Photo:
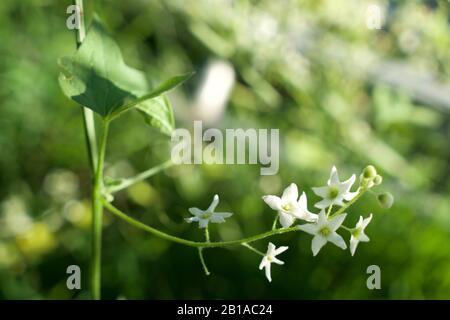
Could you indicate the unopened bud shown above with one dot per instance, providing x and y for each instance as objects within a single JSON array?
[
  {"x": 377, "y": 180},
  {"x": 369, "y": 172},
  {"x": 386, "y": 200}
]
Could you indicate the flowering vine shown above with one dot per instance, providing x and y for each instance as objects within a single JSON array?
[
  {"x": 98, "y": 79},
  {"x": 290, "y": 209}
]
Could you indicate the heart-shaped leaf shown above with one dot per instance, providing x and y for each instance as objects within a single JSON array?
[{"x": 98, "y": 78}]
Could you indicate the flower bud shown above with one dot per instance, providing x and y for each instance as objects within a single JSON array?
[
  {"x": 386, "y": 200},
  {"x": 369, "y": 172},
  {"x": 377, "y": 180}
]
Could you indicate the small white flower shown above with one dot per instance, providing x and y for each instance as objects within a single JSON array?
[
  {"x": 335, "y": 192},
  {"x": 272, "y": 251},
  {"x": 358, "y": 234},
  {"x": 324, "y": 230},
  {"x": 289, "y": 207},
  {"x": 203, "y": 217}
]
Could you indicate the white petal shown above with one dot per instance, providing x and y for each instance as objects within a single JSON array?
[
  {"x": 213, "y": 204},
  {"x": 303, "y": 201},
  {"x": 196, "y": 211},
  {"x": 366, "y": 221},
  {"x": 301, "y": 211},
  {"x": 336, "y": 222},
  {"x": 325, "y": 203},
  {"x": 363, "y": 237},
  {"x": 311, "y": 217},
  {"x": 273, "y": 201},
  {"x": 353, "y": 244},
  {"x": 202, "y": 223},
  {"x": 317, "y": 243},
  {"x": 359, "y": 223},
  {"x": 338, "y": 201},
  {"x": 347, "y": 184},
  {"x": 268, "y": 272},
  {"x": 337, "y": 240},
  {"x": 305, "y": 215},
  {"x": 334, "y": 177},
  {"x": 263, "y": 263},
  {"x": 270, "y": 249},
  {"x": 290, "y": 194},
  {"x": 191, "y": 219},
  {"x": 277, "y": 261},
  {"x": 350, "y": 195},
  {"x": 321, "y": 191},
  {"x": 286, "y": 220},
  {"x": 215, "y": 218},
  {"x": 223, "y": 214},
  {"x": 323, "y": 219},
  {"x": 308, "y": 228},
  {"x": 280, "y": 250}
]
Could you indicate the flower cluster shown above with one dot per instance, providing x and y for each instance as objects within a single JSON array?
[{"x": 323, "y": 226}]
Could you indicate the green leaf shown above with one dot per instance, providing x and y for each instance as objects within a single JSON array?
[
  {"x": 158, "y": 113},
  {"x": 165, "y": 86},
  {"x": 98, "y": 78}
]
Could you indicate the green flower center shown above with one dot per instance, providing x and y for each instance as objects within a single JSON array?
[
  {"x": 356, "y": 233},
  {"x": 269, "y": 258},
  {"x": 206, "y": 215},
  {"x": 325, "y": 231},
  {"x": 333, "y": 192},
  {"x": 286, "y": 207}
]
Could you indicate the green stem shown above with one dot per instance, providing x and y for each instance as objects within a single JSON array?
[
  {"x": 329, "y": 210},
  {"x": 97, "y": 215},
  {"x": 253, "y": 249},
  {"x": 191, "y": 243},
  {"x": 94, "y": 161},
  {"x": 207, "y": 233},
  {"x": 88, "y": 114},
  {"x": 274, "y": 225},
  {"x": 140, "y": 177},
  {"x": 346, "y": 228},
  {"x": 348, "y": 204},
  {"x": 202, "y": 260}
]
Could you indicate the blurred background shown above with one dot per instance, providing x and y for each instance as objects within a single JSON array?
[{"x": 339, "y": 92}]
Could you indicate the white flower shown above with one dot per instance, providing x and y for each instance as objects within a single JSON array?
[
  {"x": 324, "y": 230},
  {"x": 358, "y": 234},
  {"x": 203, "y": 217},
  {"x": 289, "y": 207},
  {"x": 272, "y": 251},
  {"x": 335, "y": 192}
]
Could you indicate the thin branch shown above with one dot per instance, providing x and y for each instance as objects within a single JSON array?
[
  {"x": 202, "y": 260},
  {"x": 140, "y": 177},
  {"x": 245, "y": 244},
  {"x": 191, "y": 243}
]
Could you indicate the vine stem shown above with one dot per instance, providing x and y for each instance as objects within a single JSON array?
[
  {"x": 97, "y": 217},
  {"x": 92, "y": 150},
  {"x": 88, "y": 114},
  {"x": 140, "y": 177},
  {"x": 190, "y": 243},
  {"x": 214, "y": 244}
]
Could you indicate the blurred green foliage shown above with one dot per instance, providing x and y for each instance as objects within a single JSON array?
[{"x": 327, "y": 112}]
